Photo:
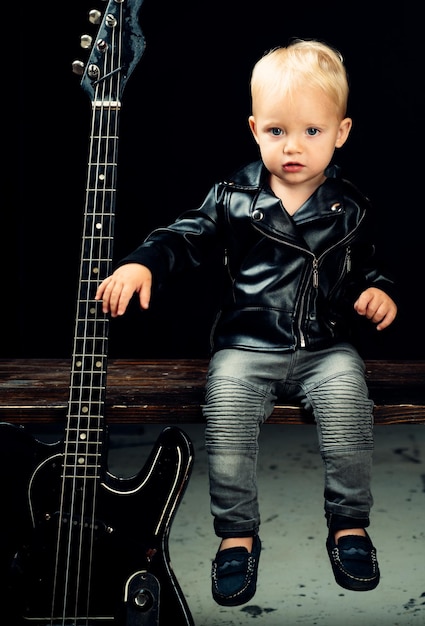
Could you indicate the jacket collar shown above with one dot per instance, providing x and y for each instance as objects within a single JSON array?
[
  {"x": 266, "y": 209},
  {"x": 326, "y": 201},
  {"x": 250, "y": 177}
]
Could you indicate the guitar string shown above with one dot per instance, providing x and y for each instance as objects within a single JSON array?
[
  {"x": 106, "y": 175},
  {"x": 103, "y": 181}
]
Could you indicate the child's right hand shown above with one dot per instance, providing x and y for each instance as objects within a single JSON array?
[{"x": 117, "y": 290}]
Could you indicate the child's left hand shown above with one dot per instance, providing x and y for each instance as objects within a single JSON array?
[{"x": 377, "y": 306}]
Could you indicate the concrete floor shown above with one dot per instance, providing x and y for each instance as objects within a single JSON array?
[{"x": 296, "y": 584}]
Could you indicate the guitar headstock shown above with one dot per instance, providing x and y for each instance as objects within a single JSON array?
[{"x": 115, "y": 52}]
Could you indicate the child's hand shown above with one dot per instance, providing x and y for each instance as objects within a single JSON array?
[
  {"x": 377, "y": 306},
  {"x": 117, "y": 290}
]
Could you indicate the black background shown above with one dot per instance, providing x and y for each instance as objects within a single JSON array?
[{"x": 183, "y": 125}]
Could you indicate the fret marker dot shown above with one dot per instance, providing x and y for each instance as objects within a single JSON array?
[{"x": 80, "y": 461}]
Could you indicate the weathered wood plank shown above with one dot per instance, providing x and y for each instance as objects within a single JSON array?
[{"x": 171, "y": 391}]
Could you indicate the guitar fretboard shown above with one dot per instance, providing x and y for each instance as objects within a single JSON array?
[{"x": 83, "y": 444}]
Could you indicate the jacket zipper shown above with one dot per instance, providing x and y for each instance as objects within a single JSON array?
[
  {"x": 315, "y": 269},
  {"x": 315, "y": 273}
]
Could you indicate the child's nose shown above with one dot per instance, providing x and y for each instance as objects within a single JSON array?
[{"x": 291, "y": 144}]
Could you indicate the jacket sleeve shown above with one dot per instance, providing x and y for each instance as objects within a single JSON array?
[
  {"x": 183, "y": 244},
  {"x": 374, "y": 268}
]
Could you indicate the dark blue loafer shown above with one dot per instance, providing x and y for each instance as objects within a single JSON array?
[
  {"x": 354, "y": 562},
  {"x": 234, "y": 574}
]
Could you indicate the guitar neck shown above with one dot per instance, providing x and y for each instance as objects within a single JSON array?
[
  {"x": 115, "y": 53},
  {"x": 89, "y": 361}
]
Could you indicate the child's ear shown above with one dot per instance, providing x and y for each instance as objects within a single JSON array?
[
  {"x": 253, "y": 127},
  {"x": 343, "y": 132}
]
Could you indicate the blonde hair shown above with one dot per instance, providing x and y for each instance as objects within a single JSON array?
[{"x": 303, "y": 62}]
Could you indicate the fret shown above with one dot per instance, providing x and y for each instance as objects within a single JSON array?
[
  {"x": 84, "y": 456},
  {"x": 90, "y": 395},
  {"x": 88, "y": 376},
  {"x": 96, "y": 223},
  {"x": 93, "y": 190},
  {"x": 85, "y": 420},
  {"x": 97, "y": 247},
  {"x": 88, "y": 308},
  {"x": 103, "y": 138},
  {"x": 87, "y": 397},
  {"x": 84, "y": 397},
  {"x": 91, "y": 265},
  {"x": 84, "y": 425},
  {"x": 94, "y": 474},
  {"x": 85, "y": 361},
  {"x": 84, "y": 428},
  {"x": 103, "y": 141}
]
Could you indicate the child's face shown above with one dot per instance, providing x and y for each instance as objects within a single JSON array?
[{"x": 297, "y": 135}]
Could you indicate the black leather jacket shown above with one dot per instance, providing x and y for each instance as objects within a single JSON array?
[{"x": 292, "y": 281}]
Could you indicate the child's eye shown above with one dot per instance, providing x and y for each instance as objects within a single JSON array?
[
  {"x": 276, "y": 131},
  {"x": 312, "y": 131}
]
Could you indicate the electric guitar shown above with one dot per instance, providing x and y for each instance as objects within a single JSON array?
[{"x": 82, "y": 547}]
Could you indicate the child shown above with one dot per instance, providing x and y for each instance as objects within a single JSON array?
[{"x": 295, "y": 237}]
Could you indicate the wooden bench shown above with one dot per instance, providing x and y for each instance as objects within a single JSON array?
[{"x": 171, "y": 391}]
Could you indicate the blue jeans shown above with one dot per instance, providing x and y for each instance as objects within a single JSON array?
[{"x": 241, "y": 391}]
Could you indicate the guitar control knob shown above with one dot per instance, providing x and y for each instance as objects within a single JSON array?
[
  {"x": 86, "y": 41},
  {"x": 78, "y": 67},
  {"x": 94, "y": 16},
  {"x": 143, "y": 599}
]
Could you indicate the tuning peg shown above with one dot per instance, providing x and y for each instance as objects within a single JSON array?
[
  {"x": 78, "y": 67},
  {"x": 86, "y": 41},
  {"x": 94, "y": 16}
]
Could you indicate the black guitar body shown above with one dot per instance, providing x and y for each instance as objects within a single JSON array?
[{"x": 107, "y": 568}]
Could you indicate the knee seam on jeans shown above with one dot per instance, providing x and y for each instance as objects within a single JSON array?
[
  {"x": 324, "y": 380},
  {"x": 239, "y": 381}
]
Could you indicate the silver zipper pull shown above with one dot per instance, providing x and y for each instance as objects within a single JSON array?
[
  {"x": 348, "y": 259},
  {"x": 315, "y": 273}
]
